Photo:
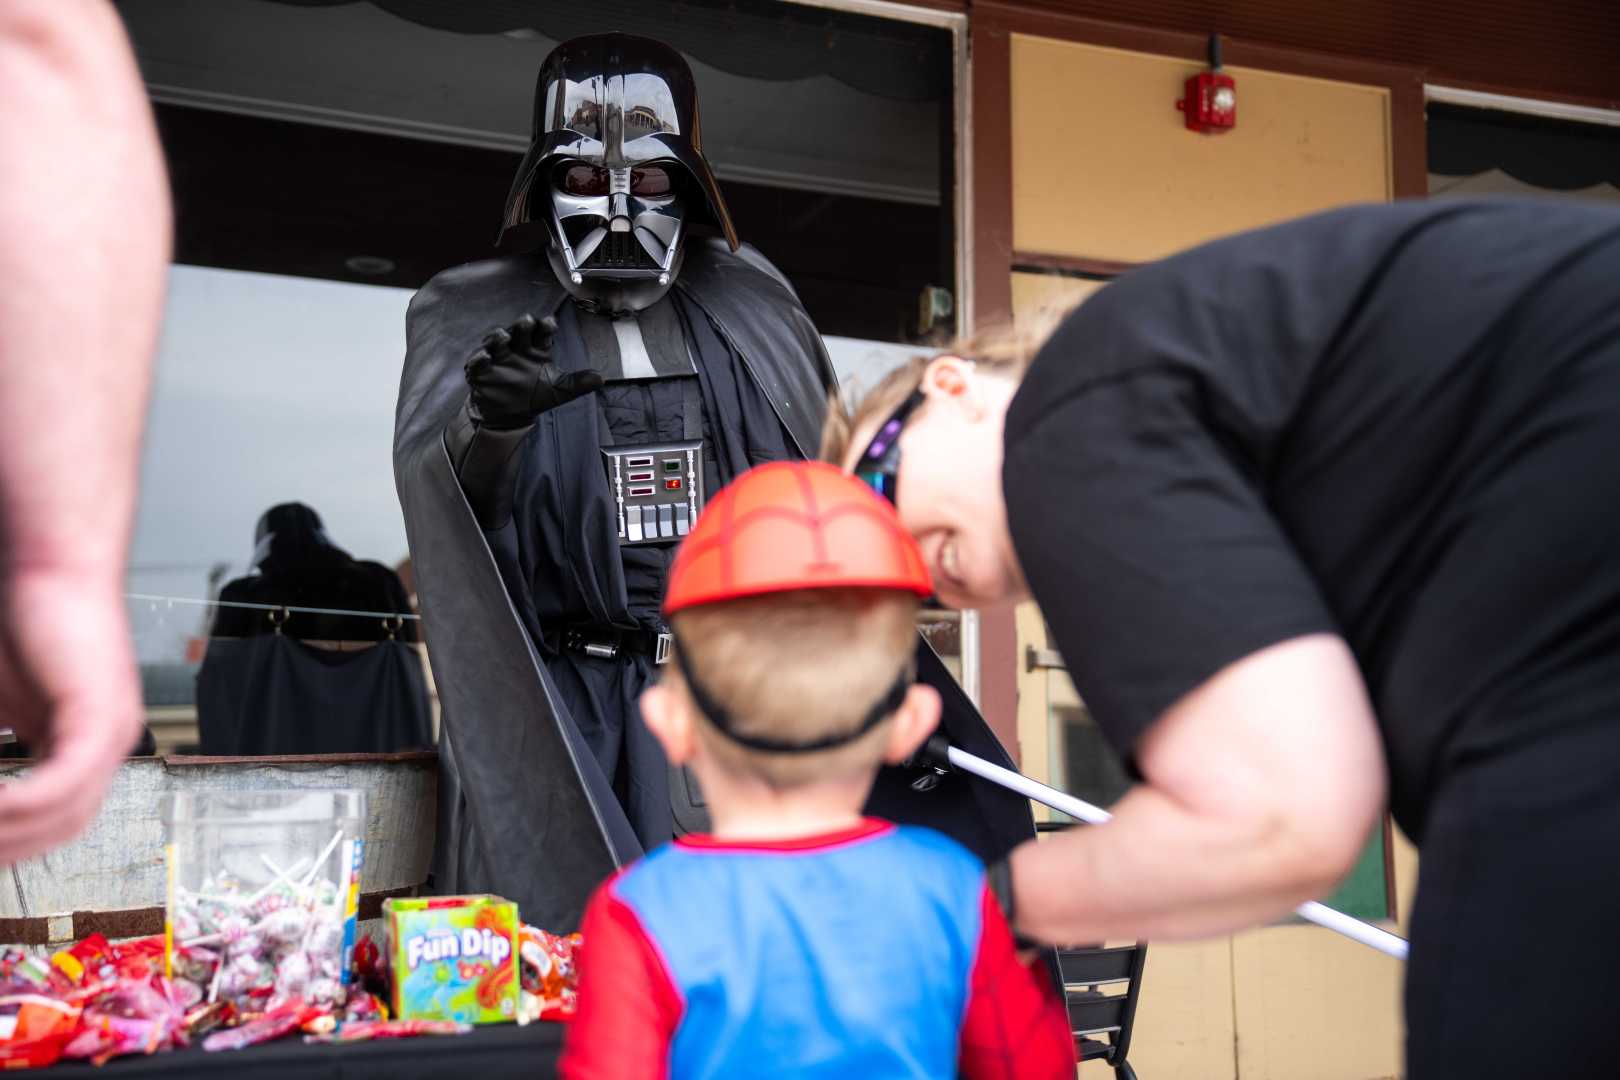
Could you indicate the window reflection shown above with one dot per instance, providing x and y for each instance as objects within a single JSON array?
[
  {"x": 309, "y": 654},
  {"x": 267, "y": 615}
]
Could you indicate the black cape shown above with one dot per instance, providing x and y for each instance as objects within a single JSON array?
[{"x": 525, "y": 810}]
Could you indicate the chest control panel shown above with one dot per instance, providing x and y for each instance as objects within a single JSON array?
[{"x": 658, "y": 490}]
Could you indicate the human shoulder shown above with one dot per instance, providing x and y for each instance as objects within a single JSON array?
[
  {"x": 661, "y": 875},
  {"x": 710, "y": 263},
  {"x": 1240, "y": 322},
  {"x": 487, "y": 286},
  {"x": 487, "y": 271}
]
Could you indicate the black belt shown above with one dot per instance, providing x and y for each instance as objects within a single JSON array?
[{"x": 611, "y": 642}]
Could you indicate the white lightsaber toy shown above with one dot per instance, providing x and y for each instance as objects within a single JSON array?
[{"x": 1320, "y": 914}]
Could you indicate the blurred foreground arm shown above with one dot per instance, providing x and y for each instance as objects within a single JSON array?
[
  {"x": 1261, "y": 787},
  {"x": 84, "y": 247}
]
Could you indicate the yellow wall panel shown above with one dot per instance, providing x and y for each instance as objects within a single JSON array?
[
  {"x": 1184, "y": 1016},
  {"x": 1104, "y": 167},
  {"x": 1311, "y": 1005},
  {"x": 1035, "y": 294}
]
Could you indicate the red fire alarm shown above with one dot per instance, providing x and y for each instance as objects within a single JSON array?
[{"x": 1210, "y": 103}]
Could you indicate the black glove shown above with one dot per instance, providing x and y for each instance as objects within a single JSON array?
[{"x": 514, "y": 380}]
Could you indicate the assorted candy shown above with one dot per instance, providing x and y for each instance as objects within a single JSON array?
[
  {"x": 251, "y": 967},
  {"x": 259, "y": 944},
  {"x": 96, "y": 1000},
  {"x": 93, "y": 1001}
]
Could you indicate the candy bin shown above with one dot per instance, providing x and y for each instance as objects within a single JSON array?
[{"x": 263, "y": 891}]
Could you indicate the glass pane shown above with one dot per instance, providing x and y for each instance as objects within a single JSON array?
[{"x": 268, "y": 511}]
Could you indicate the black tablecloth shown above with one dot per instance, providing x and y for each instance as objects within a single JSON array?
[{"x": 486, "y": 1053}]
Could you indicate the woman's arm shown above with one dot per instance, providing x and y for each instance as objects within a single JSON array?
[{"x": 1261, "y": 787}]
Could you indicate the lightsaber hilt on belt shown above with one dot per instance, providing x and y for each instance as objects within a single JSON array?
[{"x": 1320, "y": 914}]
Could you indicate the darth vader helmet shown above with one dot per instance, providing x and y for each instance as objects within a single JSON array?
[{"x": 615, "y": 171}]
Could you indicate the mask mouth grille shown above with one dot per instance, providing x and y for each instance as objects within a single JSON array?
[{"x": 620, "y": 251}]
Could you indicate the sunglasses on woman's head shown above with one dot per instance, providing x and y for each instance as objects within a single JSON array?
[{"x": 879, "y": 464}]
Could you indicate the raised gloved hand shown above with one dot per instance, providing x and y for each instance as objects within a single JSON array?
[{"x": 514, "y": 379}]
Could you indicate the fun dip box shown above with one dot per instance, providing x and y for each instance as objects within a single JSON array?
[{"x": 453, "y": 958}]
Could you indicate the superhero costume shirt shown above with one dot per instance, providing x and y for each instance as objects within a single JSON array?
[{"x": 878, "y": 951}]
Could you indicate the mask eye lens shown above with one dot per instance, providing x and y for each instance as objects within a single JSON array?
[
  {"x": 652, "y": 180},
  {"x": 584, "y": 180}
]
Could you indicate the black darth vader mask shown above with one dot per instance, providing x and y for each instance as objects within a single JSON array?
[{"x": 615, "y": 171}]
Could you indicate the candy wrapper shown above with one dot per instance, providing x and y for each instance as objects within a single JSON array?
[
  {"x": 91, "y": 960},
  {"x": 550, "y": 974},
  {"x": 453, "y": 958},
  {"x": 284, "y": 1019},
  {"x": 22, "y": 972},
  {"x": 35, "y": 1028},
  {"x": 365, "y": 1030},
  {"x": 130, "y": 1017}
]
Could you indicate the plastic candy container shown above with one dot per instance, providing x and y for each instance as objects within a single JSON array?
[{"x": 263, "y": 890}]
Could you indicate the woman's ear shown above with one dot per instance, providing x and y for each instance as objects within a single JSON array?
[
  {"x": 952, "y": 378},
  {"x": 913, "y": 722},
  {"x": 666, "y": 714}
]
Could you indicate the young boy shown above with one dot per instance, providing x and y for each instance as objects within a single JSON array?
[{"x": 800, "y": 939}]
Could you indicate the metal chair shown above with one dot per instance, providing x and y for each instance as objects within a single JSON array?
[{"x": 1092, "y": 1012}]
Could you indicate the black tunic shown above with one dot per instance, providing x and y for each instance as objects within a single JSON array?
[
  {"x": 1397, "y": 424},
  {"x": 562, "y": 543}
]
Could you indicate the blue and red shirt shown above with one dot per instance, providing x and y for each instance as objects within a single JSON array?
[{"x": 878, "y": 951}]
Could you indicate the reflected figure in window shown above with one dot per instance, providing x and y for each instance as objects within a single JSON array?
[
  {"x": 312, "y": 654},
  {"x": 299, "y": 567}
]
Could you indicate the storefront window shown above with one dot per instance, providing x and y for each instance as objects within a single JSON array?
[{"x": 316, "y": 189}]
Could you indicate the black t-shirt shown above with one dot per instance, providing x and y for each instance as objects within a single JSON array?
[{"x": 1400, "y": 424}]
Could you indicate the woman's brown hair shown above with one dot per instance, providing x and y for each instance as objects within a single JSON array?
[{"x": 1004, "y": 350}]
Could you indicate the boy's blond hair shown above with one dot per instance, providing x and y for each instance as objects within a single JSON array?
[
  {"x": 1005, "y": 350},
  {"x": 797, "y": 666}
]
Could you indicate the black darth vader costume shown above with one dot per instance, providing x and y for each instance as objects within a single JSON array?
[{"x": 564, "y": 411}]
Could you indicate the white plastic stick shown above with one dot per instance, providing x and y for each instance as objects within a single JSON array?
[
  {"x": 320, "y": 860},
  {"x": 1320, "y": 914}
]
